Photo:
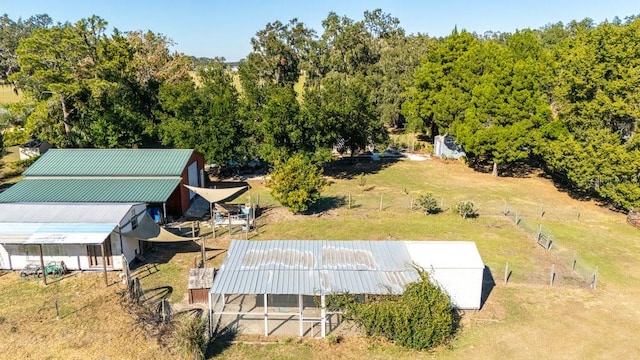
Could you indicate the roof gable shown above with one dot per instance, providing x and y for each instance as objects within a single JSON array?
[{"x": 111, "y": 162}]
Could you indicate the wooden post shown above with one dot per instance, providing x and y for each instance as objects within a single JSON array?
[
  {"x": 229, "y": 216},
  {"x": 505, "y": 212},
  {"x": 44, "y": 273},
  {"x": 349, "y": 206},
  {"x": 104, "y": 264},
  {"x": 266, "y": 320},
  {"x": 380, "y": 207},
  {"x": 323, "y": 316},
  {"x": 506, "y": 273},
  {"x": 204, "y": 250},
  {"x": 411, "y": 207},
  {"x": 573, "y": 263},
  {"x": 164, "y": 213},
  {"x": 553, "y": 274},
  {"x": 300, "y": 316},
  {"x": 594, "y": 282}
]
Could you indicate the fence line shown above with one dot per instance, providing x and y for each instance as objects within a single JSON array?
[{"x": 544, "y": 237}]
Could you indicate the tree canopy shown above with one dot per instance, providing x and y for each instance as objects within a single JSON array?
[{"x": 562, "y": 98}]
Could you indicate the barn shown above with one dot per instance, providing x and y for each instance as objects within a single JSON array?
[
  {"x": 284, "y": 276},
  {"x": 152, "y": 176}
]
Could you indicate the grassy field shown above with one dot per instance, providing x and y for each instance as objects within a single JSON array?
[
  {"x": 523, "y": 319},
  {"x": 7, "y": 95}
]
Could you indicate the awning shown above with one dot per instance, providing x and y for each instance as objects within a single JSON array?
[
  {"x": 54, "y": 233},
  {"x": 148, "y": 230},
  {"x": 216, "y": 195}
]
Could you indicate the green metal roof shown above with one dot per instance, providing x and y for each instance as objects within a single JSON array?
[
  {"x": 110, "y": 162},
  {"x": 147, "y": 190}
]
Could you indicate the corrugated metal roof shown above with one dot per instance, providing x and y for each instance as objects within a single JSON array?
[
  {"x": 52, "y": 233},
  {"x": 63, "y": 213},
  {"x": 110, "y": 162},
  {"x": 22, "y": 223},
  {"x": 148, "y": 190},
  {"x": 314, "y": 267}
]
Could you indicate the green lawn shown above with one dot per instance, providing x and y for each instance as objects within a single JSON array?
[{"x": 523, "y": 319}]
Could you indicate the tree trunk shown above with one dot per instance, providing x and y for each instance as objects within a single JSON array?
[
  {"x": 495, "y": 169},
  {"x": 65, "y": 118}
]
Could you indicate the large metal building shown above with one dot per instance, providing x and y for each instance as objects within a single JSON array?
[
  {"x": 152, "y": 176},
  {"x": 295, "y": 269}
]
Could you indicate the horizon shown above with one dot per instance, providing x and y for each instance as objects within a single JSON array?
[{"x": 194, "y": 25}]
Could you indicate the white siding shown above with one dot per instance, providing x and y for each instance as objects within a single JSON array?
[{"x": 193, "y": 177}]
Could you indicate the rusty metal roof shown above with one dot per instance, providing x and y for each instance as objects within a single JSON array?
[{"x": 313, "y": 267}]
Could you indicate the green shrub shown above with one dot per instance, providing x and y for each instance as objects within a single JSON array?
[
  {"x": 428, "y": 204},
  {"x": 421, "y": 318},
  {"x": 466, "y": 209},
  {"x": 296, "y": 183}
]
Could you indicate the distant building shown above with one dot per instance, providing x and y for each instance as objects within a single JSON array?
[
  {"x": 33, "y": 147},
  {"x": 445, "y": 147}
]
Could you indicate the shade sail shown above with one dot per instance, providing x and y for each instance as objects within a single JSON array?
[
  {"x": 148, "y": 230},
  {"x": 216, "y": 195}
]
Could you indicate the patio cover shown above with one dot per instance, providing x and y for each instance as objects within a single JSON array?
[
  {"x": 54, "y": 233},
  {"x": 216, "y": 195},
  {"x": 148, "y": 230}
]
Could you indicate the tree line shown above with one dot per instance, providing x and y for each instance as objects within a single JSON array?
[{"x": 563, "y": 98}]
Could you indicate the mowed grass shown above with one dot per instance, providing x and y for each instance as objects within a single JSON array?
[
  {"x": 523, "y": 319},
  {"x": 8, "y": 96}
]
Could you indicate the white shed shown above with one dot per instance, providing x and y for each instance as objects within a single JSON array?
[
  {"x": 84, "y": 236},
  {"x": 455, "y": 265}
]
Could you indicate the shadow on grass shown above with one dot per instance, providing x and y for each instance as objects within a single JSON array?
[
  {"x": 349, "y": 168},
  {"x": 154, "y": 295},
  {"x": 162, "y": 253},
  {"x": 220, "y": 342},
  {"x": 327, "y": 203},
  {"x": 488, "y": 283}
]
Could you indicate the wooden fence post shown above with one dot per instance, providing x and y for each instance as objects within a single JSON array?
[
  {"x": 594, "y": 282},
  {"x": 553, "y": 274},
  {"x": 506, "y": 273},
  {"x": 380, "y": 203},
  {"x": 573, "y": 263}
]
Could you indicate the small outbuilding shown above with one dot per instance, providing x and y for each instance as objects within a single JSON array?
[
  {"x": 33, "y": 147},
  {"x": 445, "y": 147},
  {"x": 283, "y": 274}
]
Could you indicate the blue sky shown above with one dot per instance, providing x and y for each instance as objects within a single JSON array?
[{"x": 224, "y": 28}]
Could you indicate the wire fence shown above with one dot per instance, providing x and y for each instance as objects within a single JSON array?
[
  {"x": 565, "y": 266},
  {"x": 571, "y": 266}
]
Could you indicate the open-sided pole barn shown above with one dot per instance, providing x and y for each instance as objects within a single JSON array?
[{"x": 317, "y": 268}]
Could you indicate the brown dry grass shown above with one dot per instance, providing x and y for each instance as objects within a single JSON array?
[
  {"x": 8, "y": 96},
  {"x": 521, "y": 320}
]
